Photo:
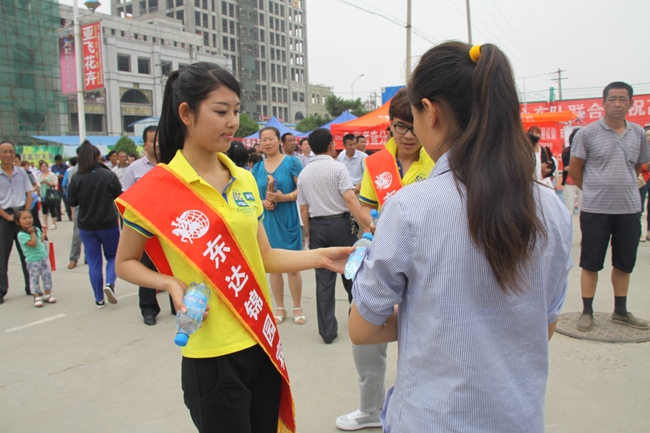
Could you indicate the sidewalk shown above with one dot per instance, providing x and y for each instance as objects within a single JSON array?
[{"x": 105, "y": 371}]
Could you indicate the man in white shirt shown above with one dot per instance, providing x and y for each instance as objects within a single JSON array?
[
  {"x": 306, "y": 154},
  {"x": 353, "y": 160},
  {"x": 122, "y": 165}
]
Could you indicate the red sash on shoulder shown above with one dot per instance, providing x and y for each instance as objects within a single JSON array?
[
  {"x": 384, "y": 175},
  {"x": 199, "y": 234}
]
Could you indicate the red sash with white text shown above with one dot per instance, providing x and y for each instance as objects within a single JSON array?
[
  {"x": 200, "y": 235},
  {"x": 384, "y": 175}
]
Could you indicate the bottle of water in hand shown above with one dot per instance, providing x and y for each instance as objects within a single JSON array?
[
  {"x": 196, "y": 301},
  {"x": 355, "y": 259},
  {"x": 375, "y": 217}
]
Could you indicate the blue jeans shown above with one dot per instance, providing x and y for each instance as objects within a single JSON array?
[{"x": 93, "y": 242}]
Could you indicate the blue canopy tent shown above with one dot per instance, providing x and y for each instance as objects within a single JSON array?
[
  {"x": 346, "y": 116},
  {"x": 273, "y": 121}
]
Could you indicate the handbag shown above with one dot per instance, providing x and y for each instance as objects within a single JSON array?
[{"x": 52, "y": 197}]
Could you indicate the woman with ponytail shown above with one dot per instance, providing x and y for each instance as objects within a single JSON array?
[
  {"x": 199, "y": 217},
  {"x": 468, "y": 269}
]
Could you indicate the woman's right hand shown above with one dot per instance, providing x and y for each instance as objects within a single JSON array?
[
  {"x": 268, "y": 205},
  {"x": 176, "y": 289}
]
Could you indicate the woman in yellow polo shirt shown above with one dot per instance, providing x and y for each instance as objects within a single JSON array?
[{"x": 229, "y": 382}]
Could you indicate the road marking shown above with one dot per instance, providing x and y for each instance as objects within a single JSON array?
[
  {"x": 126, "y": 296},
  {"x": 38, "y": 322}
]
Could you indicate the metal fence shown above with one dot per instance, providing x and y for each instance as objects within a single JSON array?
[{"x": 553, "y": 94}]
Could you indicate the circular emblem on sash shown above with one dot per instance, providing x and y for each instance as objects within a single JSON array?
[
  {"x": 383, "y": 180},
  {"x": 192, "y": 224}
]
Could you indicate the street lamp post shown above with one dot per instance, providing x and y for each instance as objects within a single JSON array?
[{"x": 352, "y": 85}]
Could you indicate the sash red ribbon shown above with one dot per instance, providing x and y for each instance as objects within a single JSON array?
[
  {"x": 199, "y": 234},
  {"x": 384, "y": 175}
]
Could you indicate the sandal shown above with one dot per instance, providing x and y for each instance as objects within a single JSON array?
[
  {"x": 280, "y": 319},
  {"x": 300, "y": 320},
  {"x": 38, "y": 301},
  {"x": 49, "y": 299}
]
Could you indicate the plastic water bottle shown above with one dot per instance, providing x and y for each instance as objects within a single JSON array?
[
  {"x": 355, "y": 259},
  {"x": 196, "y": 301},
  {"x": 375, "y": 216}
]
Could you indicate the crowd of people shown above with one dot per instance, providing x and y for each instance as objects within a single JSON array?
[{"x": 468, "y": 268}]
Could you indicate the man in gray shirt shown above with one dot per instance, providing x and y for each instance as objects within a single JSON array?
[
  {"x": 606, "y": 158},
  {"x": 15, "y": 194}
]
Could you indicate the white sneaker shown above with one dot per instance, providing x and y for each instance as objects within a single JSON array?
[{"x": 358, "y": 420}]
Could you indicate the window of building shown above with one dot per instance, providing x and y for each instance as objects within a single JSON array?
[
  {"x": 277, "y": 9},
  {"x": 225, "y": 42},
  {"x": 179, "y": 3},
  {"x": 285, "y": 109},
  {"x": 197, "y": 3},
  {"x": 262, "y": 35},
  {"x": 264, "y": 71},
  {"x": 284, "y": 74},
  {"x": 271, "y": 38},
  {"x": 295, "y": 96},
  {"x": 284, "y": 56},
  {"x": 277, "y": 24},
  {"x": 261, "y": 19},
  {"x": 197, "y": 18},
  {"x": 214, "y": 7},
  {"x": 263, "y": 51},
  {"x": 282, "y": 26},
  {"x": 206, "y": 39},
  {"x": 224, "y": 8},
  {"x": 144, "y": 65},
  {"x": 285, "y": 94},
  {"x": 232, "y": 27},
  {"x": 272, "y": 54},
  {"x": 265, "y": 110},
  {"x": 264, "y": 94},
  {"x": 214, "y": 22},
  {"x": 270, "y": 6},
  {"x": 233, "y": 47},
  {"x": 180, "y": 16},
  {"x": 257, "y": 71},
  {"x": 153, "y": 5},
  {"x": 224, "y": 25},
  {"x": 214, "y": 40},
  {"x": 234, "y": 65},
  {"x": 273, "y": 73},
  {"x": 143, "y": 7},
  {"x": 205, "y": 21},
  {"x": 302, "y": 97},
  {"x": 124, "y": 62},
  {"x": 279, "y": 76},
  {"x": 231, "y": 10},
  {"x": 166, "y": 67},
  {"x": 281, "y": 10},
  {"x": 284, "y": 41},
  {"x": 170, "y": 4},
  {"x": 275, "y": 111},
  {"x": 273, "y": 95},
  {"x": 261, "y": 4},
  {"x": 205, "y": 4},
  {"x": 271, "y": 22}
]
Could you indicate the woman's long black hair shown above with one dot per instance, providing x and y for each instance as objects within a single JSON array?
[
  {"x": 87, "y": 156},
  {"x": 491, "y": 153},
  {"x": 192, "y": 85}
]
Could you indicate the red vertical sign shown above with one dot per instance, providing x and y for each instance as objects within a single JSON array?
[{"x": 93, "y": 60}]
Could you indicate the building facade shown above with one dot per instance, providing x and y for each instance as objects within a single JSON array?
[
  {"x": 318, "y": 94},
  {"x": 30, "y": 95},
  {"x": 138, "y": 58},
  {"x": 265, "y": 42}
]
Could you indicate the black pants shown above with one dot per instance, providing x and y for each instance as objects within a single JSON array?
[
  {"x": 234, "y": 393},
  {"x": 9, "y": 236},
  {"x": 322, "y": 234},
  {"x": 148, "y": 301},
  {"x": 68, "y": 209}
]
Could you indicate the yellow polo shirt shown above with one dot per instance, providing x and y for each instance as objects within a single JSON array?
[
  {"x": 418, "y": 171},
  {"x": 242, "y": 209}
]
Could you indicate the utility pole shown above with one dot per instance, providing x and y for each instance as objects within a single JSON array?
[
  {"x": 469, "y": 24},
  {"x": 559, "y": 80},
  {"x": 81, "y": 115},
  {"x": 408, "y": 41}
]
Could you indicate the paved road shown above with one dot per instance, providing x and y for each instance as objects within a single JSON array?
[{"x": 81, "y": 369}]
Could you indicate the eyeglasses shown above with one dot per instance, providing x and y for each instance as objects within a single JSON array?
[{"x": 402, "y": 129}]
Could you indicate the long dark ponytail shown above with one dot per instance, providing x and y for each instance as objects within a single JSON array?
[
  {"x": 192, "y": 85},
  {"x": 491, "y": 153}
]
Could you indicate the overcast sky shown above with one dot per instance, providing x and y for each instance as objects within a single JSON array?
[{"x": 594, "y": 41}]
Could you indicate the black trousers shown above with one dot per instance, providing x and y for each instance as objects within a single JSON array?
[
  {"x": 148, "y": 301},
  {"x": 9, "y": 236},
  {"x": 325, "y": 233},
  {"x": 234, "y": 393}
]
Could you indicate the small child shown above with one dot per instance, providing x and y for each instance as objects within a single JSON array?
[{"x": 36, "y": 257}]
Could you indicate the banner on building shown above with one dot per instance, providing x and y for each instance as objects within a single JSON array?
[
  {"x": 93, "y": 59},
  {"x": 555, "y": 135},
  {"x": 67, "y": 61},
  {"x": 37, "y": 153}
]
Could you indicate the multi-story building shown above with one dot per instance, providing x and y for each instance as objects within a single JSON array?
[
  {"x": 30, "y": 95},
  {"x": 265, "y": 41},
  {"x": 138, "y": 57},
  {"x": 319, "y": 94}
]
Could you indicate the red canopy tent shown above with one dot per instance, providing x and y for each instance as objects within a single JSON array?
[
  {"x": 553, "y": 127},
  {"x": 373, "y": 126}
]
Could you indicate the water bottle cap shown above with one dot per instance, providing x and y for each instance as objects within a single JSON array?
[
  {"x": 367, "y": 236},
  {"x": 181, "y": 339},
  {"x": 374, "y": 213}
]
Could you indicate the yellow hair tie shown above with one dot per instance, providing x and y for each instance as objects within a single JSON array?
[{"x": 475, "y": 53}]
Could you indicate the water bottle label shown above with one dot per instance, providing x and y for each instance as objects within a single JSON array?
[
  {"x": 195, "y": 301},
  {"x": 358, "y": 253}
]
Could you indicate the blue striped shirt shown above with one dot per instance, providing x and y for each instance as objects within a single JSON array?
[{"x": 471, "y": 358}]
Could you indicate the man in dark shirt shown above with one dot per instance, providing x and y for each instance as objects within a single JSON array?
[{"x": 59, "y": 168}]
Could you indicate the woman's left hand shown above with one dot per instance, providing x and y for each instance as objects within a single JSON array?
[
  {"x": 335, "y": 258},
  {"x": 275, "y": 197}
]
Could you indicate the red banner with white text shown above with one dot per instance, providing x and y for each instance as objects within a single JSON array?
[{"x": 93, "y": 59}]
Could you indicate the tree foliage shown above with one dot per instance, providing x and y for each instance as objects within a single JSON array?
[
  {"x": 126, "y": 144},
  {"x": 247, "y": 126},
  {"x": 312, "y": 122},
  {"x": 336, "y": 106}
]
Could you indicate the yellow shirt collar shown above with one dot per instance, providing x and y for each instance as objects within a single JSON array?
[
  {"x": 391, "y": 146},
  {"x": 183, "y": 168}
]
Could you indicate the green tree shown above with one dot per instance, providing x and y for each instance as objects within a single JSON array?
[
  {"x": 125, "y": 144},
  {"x": 336, "y": 106},
  {"x": 312, "y": 122},
  {"x": 247, "y": 126}
]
